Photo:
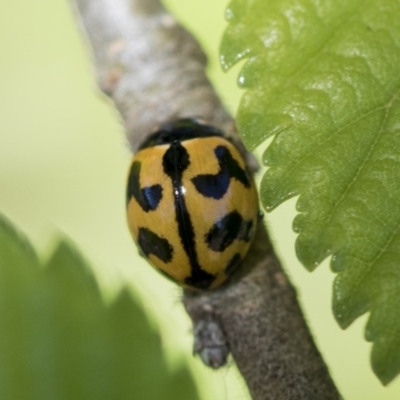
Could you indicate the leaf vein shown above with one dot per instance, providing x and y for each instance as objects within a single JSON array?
[{"x": 318, "y": 52}]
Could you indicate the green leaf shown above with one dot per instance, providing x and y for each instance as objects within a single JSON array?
[
  {"x": 58, "y": 339},
  {"x": 324, "y": 78}
]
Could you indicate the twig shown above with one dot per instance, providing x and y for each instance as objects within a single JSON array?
[{"x": 154, "y": 71}]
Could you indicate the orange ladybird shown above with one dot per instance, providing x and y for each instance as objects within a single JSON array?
[{"x": 192, "y": 205}]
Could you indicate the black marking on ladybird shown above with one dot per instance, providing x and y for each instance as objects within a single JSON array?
[
  {"x": 233, "y": 264},
  {"x": 175, "y": 161},
  {"x": 149, "y": 197},
  {"x": 246, "y": 231},
  {"x": 200, "y": 279},
  {"x": 151, "y": 243},
  {"x": 229, "y": 228},
  {"x": 215, "y": 186}
]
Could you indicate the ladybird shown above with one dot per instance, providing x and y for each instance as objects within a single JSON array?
[{"x": 192, "y": 205}]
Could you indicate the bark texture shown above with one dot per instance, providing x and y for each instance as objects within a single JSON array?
[{"x": 154, "y": 71}]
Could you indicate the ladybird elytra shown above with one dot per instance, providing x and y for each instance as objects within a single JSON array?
[{"x": 192, "y": 206}]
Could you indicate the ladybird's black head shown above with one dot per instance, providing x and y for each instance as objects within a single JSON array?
[{"x": 182, "y": 129}]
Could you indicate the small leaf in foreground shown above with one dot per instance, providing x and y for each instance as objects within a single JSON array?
[
  {"x": 324, "y": 78},
  {"x": 58, "y": 339}
]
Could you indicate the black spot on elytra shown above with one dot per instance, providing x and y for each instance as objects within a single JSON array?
[
  {"x": 217, "y": 185},
  {"x": 245, "y": 232},
  {"x": 149, "y": 197},
  {"x": 151, "y": 243},
  {"x": 233, "y": 264},
  {"x": 175, "y": 160},
  {"x": 229, "y": 228}
]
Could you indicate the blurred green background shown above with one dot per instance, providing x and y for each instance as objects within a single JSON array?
[{"x": 63, "y": 163}]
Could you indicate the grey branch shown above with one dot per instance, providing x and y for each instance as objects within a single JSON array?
[{"x": 153, "y": 70}]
